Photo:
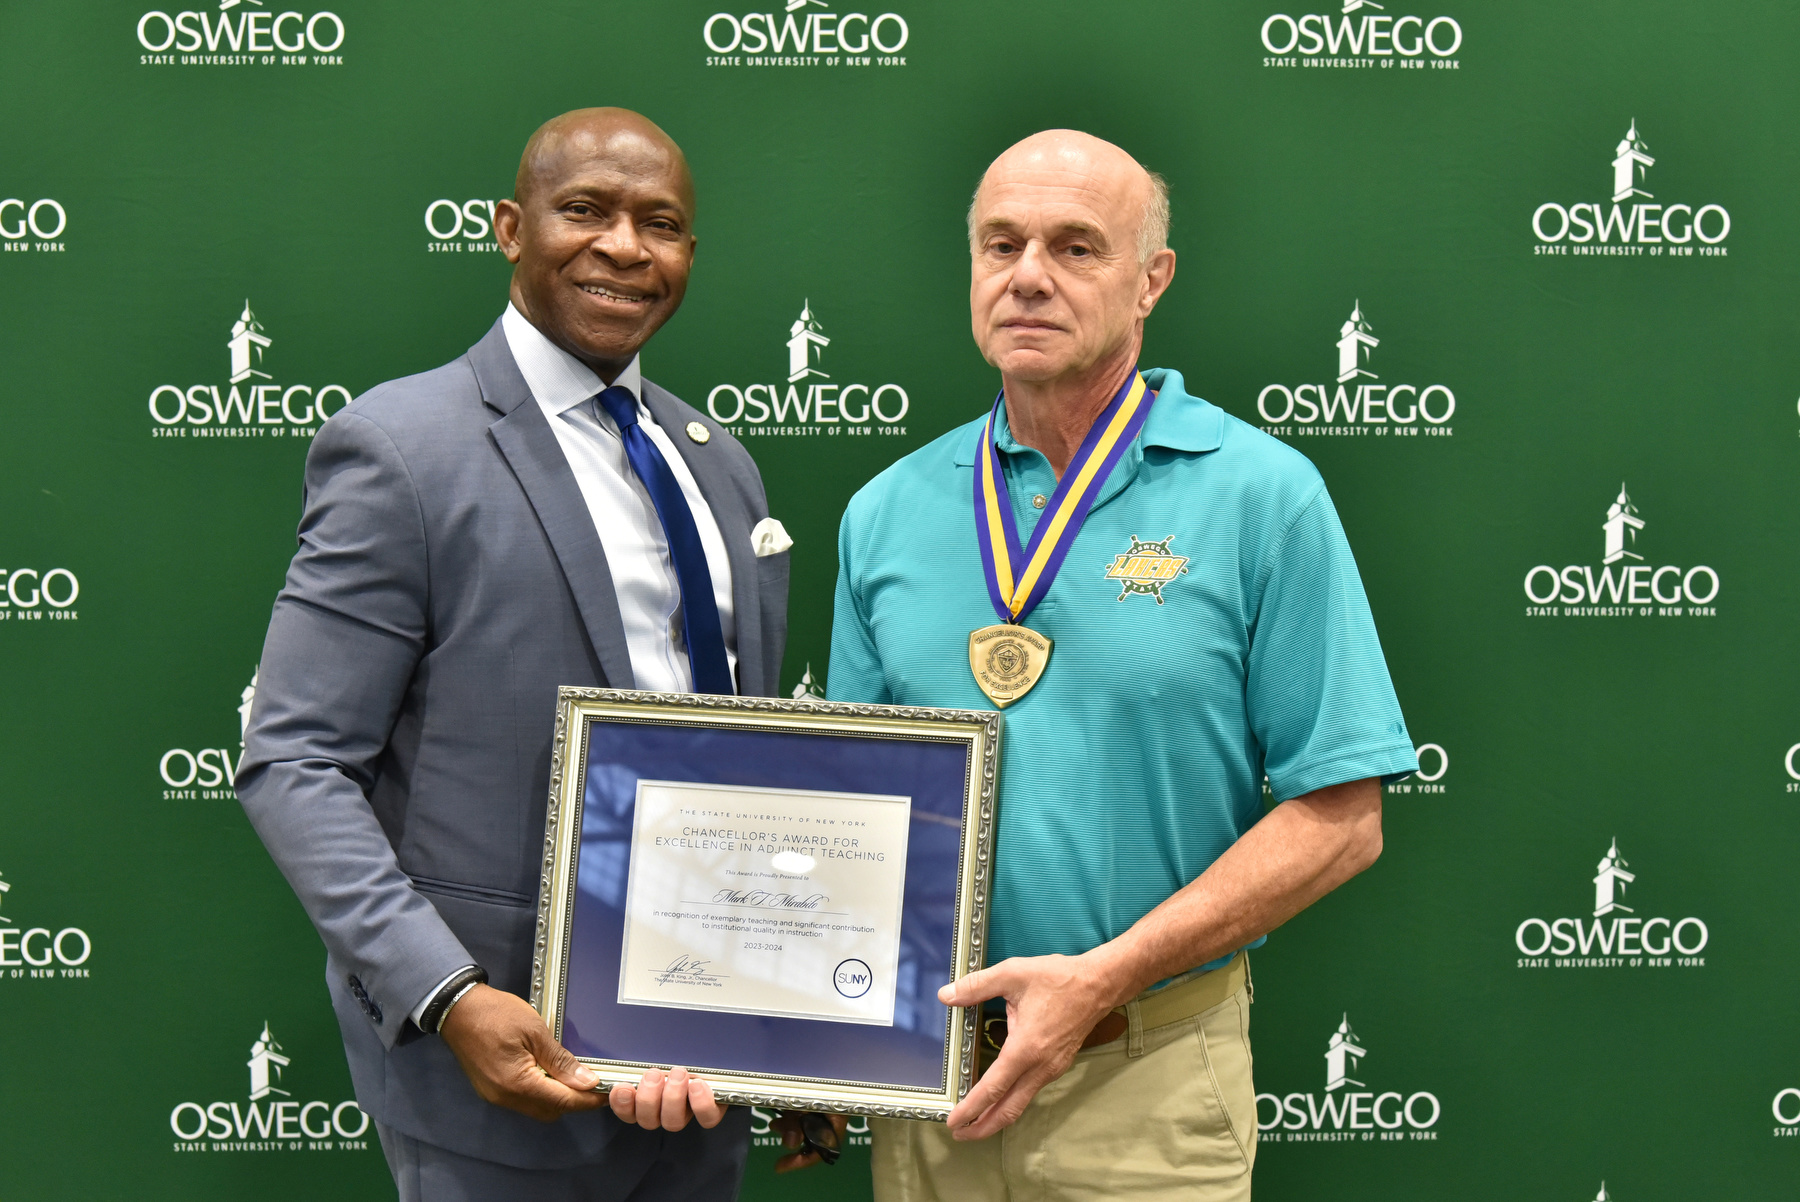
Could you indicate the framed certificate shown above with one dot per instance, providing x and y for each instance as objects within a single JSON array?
[{"x": 769, "y": 893}]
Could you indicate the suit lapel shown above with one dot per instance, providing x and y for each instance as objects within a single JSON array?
[
  {"x": 735, "y": 521},
  {"x": 525, "y": 440}
]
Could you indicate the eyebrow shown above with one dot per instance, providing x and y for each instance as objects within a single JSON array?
[{"x": 1081, "y": 228}]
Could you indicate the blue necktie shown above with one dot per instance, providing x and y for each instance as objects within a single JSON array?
[{"x": 699, "y": 612}]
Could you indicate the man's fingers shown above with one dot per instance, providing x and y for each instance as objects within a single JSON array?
[
  {"x": 649, "y": 1099},
  {"x": 623, "y": 1100},
  {"x": 1005, "y": 1110},
  {"x": 706, "y": 1108},
  {"x": 788, "y": 1127},
  {"x": 1006, "y": 1069},
  {"x": 531, "y": 1091},
  {"x": 675, "y": 1100},
  {"x": 796, "y": 1160},
  {"x": 976, "y": 987}
]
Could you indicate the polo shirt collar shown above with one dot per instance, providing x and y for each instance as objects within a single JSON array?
[
  {"x": 558, "y": 380},
  {"x": 1177, "y": 421}
]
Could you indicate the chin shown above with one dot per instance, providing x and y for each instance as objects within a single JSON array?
[{"x": 1031, "y": 365}]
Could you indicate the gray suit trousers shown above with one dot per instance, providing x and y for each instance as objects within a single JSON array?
[{"x": 641, "y": 1166}]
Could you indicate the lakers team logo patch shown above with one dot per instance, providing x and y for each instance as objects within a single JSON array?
[{"x": 1146, "y": 568}]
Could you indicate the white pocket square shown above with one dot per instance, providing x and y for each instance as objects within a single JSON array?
[{"x": 770, "y": 537}]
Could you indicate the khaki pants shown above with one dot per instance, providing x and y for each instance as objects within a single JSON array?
[{"x": 1168, "y": 1112}]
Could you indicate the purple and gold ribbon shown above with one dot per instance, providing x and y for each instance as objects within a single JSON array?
[{"x": 1017, "y": 579}]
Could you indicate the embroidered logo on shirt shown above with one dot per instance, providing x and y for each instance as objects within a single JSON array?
[{"x": 1146, "y": 568}]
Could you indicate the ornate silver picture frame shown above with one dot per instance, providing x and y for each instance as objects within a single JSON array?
[{"x": 768, "y": 893}]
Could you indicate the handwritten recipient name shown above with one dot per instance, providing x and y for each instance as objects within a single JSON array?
[{"x": 765, "y": 900}]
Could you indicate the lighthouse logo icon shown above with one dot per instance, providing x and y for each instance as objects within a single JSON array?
[
  {"x": 1609, "y": 885},
  {"x": 247, "y": 345},
  {"x": 806, "y": 342},
  {"x": 1341, "y": 1057},
  {"x": 1628, "y": 167},
  {"x": 1621, "y": 526},
  {"x": 248, "y": 699},
  {"x": 266, "y": 1063},
  {"x": 1354, "y": 344}
]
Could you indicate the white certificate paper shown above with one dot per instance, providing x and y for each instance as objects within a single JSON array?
[{"x": 783, "y": 902}]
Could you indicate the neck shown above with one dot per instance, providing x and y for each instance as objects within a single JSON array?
[{"x": 1053, "y": 416}]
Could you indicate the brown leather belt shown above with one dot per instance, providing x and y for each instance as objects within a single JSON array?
[{"x": 1170, "y": 1004}]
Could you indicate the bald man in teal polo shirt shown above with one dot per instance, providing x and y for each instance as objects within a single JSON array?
[{"x": 1165, "y": 602}]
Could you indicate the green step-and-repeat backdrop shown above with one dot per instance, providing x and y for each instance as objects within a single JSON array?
[{"x": 1521, "y": 278}]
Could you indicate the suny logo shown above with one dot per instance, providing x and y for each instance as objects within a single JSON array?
[
  {"x": 809, "y": 406},
  {"x": 206, "y": 774},
  {"x": 454, "y": 227},
  {"x": 34, "y": 953},
  {"x": 1359, "y": 405},
  {"x": 253, "y": 411},
  {"x": 1348, "y": 1110},
  {"x": 43, "y": 220},
  {"x": 252, "y": 34},
  {"x": 267, "y": 1125},
  {"x": 1623, "y": 940},
  {"x": 1634, "y": 588},
  {"x": 1372, "y": 39},
  {"x": 1628, "y": 227}
]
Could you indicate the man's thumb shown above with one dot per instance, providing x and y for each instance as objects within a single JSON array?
[
  {"x": 560, "y": 1063},
  {"x": 966, "y": 991}
]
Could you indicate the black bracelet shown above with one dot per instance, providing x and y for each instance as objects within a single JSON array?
[{"x": 455, "y": 987}]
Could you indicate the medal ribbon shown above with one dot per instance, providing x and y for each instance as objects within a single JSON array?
[{"x": 1018, "y": 579}]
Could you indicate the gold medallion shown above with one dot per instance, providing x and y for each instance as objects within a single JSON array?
[{"x": 1007, "y": 660}]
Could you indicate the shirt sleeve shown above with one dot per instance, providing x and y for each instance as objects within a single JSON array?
[
  {"x": 854, "y": 672},
  {"x": 1321, "y": 703}
]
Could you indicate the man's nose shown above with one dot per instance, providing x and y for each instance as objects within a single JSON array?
[
  {"x": 618, "y": 241},
  {"x": 1031, "y": 277}
]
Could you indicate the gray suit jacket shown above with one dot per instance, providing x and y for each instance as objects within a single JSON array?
[{"x": 397, "y": 762}]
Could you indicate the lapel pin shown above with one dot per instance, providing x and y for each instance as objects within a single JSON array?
[{"x": 698, "y": 432}]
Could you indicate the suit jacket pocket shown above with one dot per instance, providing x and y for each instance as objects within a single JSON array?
[{"x": 497, "y": 928}]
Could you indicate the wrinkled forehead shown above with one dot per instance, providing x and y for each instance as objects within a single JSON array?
[{"x": 1046, "y": 194}]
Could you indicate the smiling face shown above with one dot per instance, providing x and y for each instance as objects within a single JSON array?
[
  {"x": 1057, "y": 286},
  {"x": 600, "y": 234}
]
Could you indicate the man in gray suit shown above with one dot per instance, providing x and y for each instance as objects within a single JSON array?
[{"x": 533, "y": 514}]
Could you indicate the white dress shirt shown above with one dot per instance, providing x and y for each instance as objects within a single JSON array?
[
  {"x": 631, "y": 533},
  {"x": 637, "y": 551}
]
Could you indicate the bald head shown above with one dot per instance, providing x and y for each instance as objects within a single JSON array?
[
  {"x": 585, "y": 134},
  {"x": 1100, "y": 169}
]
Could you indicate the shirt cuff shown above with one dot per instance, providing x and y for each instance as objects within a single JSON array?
[{"x": 418, "y": 1012}]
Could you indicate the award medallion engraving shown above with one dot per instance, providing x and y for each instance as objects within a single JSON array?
[{"x": 1007, "y": 660}]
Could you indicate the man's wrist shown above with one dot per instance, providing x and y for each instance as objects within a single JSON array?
[
  {"x": 431, "y": 1018},
  {"x": 1115, "y": 967}
]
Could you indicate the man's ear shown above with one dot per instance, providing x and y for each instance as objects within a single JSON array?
[
  {"x": 507, "y": 216},
  {"x": 1159, "y": 273}
]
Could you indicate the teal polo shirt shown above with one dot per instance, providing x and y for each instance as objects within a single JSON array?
[{"x": 1139, "y": 756}]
